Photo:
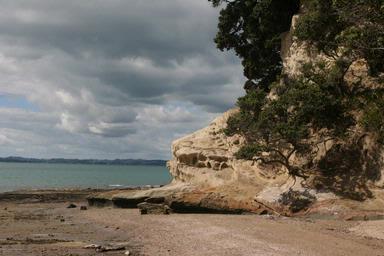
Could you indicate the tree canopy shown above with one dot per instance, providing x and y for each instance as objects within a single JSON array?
[
  {"x": 282, "y": 118},
  {"x": 355, "y": 26},
  {"x": 253, "y": 30}
]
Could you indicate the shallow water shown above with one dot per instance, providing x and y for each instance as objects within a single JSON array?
[{"x": 14, "y": 176}]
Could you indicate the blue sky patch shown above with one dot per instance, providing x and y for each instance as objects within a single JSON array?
[{"x": 16, "y": 101}]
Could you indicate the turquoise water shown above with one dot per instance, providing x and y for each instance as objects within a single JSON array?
[{"x": 14, "y": 176}]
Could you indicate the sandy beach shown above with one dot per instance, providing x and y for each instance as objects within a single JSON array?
[{"x": 43, "y": 225}]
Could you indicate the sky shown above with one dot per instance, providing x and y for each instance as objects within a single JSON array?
[{"x": 109, "y": 79}]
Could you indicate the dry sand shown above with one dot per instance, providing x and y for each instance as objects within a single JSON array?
[{"x": 49, "y": 228}]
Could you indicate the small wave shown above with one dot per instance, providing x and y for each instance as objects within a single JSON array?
[{"x": 115, "y": 185}]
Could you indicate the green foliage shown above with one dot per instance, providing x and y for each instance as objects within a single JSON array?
[
  {"x": 292, "y": 116},
  {"x": 252, "y": 28},
  {"x": 355, "y": 26},
  {"x": 319, "y": 24},
  {"x": 250, "y": 107},
  {"x": 286, "y": 123},
  {"x": 249, "y": 151}
]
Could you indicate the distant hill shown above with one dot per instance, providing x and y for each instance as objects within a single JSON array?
[{"x": 14, "y": 159}]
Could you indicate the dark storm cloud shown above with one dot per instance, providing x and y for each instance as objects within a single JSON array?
[
  {"x": 150, "y": 28},
  {"x": 116, "y": 69}
]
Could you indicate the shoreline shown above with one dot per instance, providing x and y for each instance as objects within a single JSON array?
[
  {"x": 56, "y": 195},
  {"x": 46, "y": 226}
]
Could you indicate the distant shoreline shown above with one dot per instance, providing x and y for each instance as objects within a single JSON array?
[{"x": 13, "y": 159}]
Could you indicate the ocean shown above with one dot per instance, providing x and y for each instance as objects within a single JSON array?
[{"x": 17, "y": 176}]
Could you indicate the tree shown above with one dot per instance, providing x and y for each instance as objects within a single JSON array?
[
  {"x": 353, "y": 29},
  {"x": 282, "y": 119},
  {"x": 303, "y": 114},
  {"x": 253, "y": 28}
]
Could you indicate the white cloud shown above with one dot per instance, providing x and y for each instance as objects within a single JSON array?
[{"x": 110, "y": 78}]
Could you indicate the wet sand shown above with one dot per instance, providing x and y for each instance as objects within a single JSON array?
[{"x": 48, "y": 227}]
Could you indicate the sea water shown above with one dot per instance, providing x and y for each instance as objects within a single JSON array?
[{"x": 17, "y": 176}]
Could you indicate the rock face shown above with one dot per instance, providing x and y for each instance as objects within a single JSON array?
[
  {"x": 205, "y": 159},
  {"x": 208, "y": 178}
]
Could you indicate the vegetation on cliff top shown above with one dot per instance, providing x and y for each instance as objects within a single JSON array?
[
  {"x": 281, "y": 116},
  {"x": 253, "y": 30}
]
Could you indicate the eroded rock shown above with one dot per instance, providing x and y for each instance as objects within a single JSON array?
[{"x": 152, "y": 208}]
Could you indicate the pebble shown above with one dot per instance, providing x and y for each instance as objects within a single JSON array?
[
  {"x": 110, "y": 248},
  {"x": 92, "y": 246},
  {"x": 101, "y": 248}
]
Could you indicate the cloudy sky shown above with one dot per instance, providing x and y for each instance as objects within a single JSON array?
[{"x": 109, "y": 79}]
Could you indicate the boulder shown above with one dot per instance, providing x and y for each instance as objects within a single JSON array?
[{"x": 151, "y": 208}]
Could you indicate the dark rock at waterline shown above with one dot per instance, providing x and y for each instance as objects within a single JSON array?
[
  {"x": 128, "y": 202},
  {"x": 99, "y": 201}
]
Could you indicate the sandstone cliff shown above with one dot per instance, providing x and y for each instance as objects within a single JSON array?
[{"x": 208, "y": 178}]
